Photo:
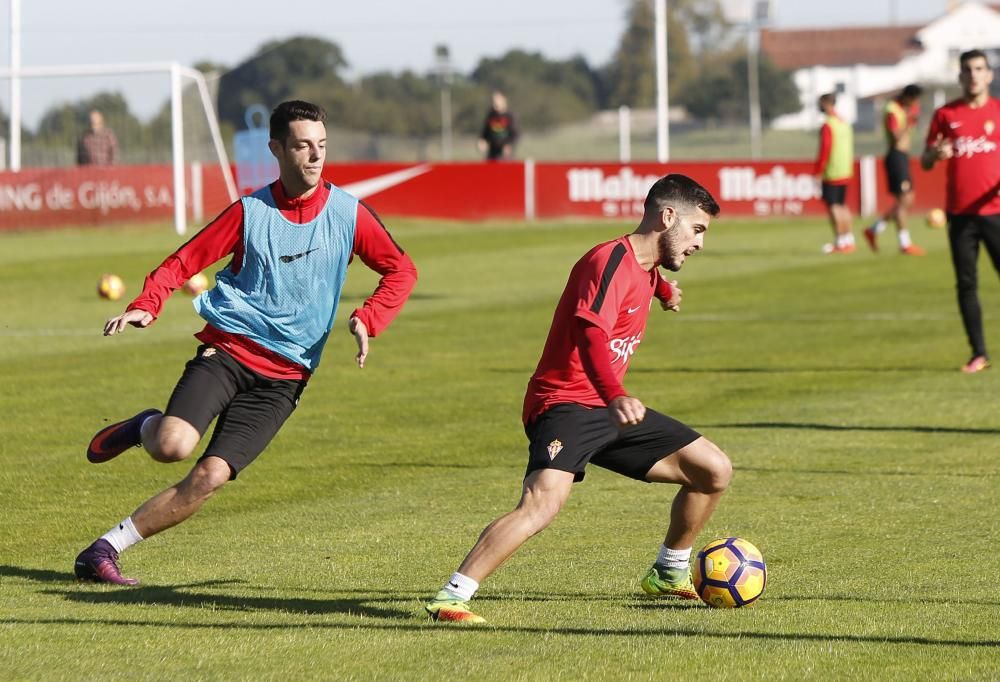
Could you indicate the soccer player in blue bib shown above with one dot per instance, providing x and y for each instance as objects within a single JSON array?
[{"x": 267, "y": 318}]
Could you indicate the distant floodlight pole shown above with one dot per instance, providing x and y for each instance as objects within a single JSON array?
[
  {"x": 177, "y": 143},
  {"x": 761, "y": 15},
  {"x": 15, "y": 85},
  {"x": 662, "y": 100},
  {"x": 754, "y": 90},
  {"x": 624, "y": 134},
  {"x": 443, "y": 57}
]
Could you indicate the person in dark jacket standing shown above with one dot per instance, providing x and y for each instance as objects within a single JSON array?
[{"x": 499, "y": 131}]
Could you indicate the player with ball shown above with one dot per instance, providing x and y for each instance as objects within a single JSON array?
[{"x": 576, "y": 411}]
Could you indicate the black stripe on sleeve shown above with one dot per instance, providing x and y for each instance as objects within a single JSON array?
[
  {"x": 379, "y": 221},
  {"x": 610, "y": 267}
]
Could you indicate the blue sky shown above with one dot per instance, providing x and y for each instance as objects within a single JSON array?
[{"x": 374, "y": 34}]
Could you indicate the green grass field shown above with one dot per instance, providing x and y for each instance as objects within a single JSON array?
[{"x": 866, "y": 470}]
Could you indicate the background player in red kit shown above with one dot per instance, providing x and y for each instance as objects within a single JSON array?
[
  {"x": 269, "y": 316},
  {"x": 966, "y": 132},
  {"x": 576, "y": 410}
]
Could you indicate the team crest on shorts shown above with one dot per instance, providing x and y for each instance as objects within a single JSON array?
[
  {"x": 555, "y": 447},
  {"x": 208, "y": 352}
]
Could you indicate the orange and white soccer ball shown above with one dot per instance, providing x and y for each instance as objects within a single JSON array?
[
  {"x": 196, "y": 284},
  {"x": 729, "y": 573},
  {"x": 936, "y": 218},
  {"x": 110, "y": 286}
]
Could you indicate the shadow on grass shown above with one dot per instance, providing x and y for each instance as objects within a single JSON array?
[
  {"x": 882, "y": 600},
  {"x": 416, "y": 465},
  {"x": 489, "y": 629},
  {"x": 752, "y": 370},
  {"x": 854, "y": 427},
  {"x": 788, "y": 370},
  {"x": 37, "y": 574},
  {"x": 407, "y": 620},
  {"x": 866, "y": 473},
  {"x": 183, "y": 595}
]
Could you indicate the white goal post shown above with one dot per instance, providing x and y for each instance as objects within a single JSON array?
[{"x": 177, "y": 74}]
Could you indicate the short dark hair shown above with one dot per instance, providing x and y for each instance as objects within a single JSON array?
[
  {"x": 829, "y": 98},
  {"x": 293, "y": 110},
  {"x": 679, "y": 189},
  {"x": 970, "y": 55},
  {"x": 911, "y": 91}
]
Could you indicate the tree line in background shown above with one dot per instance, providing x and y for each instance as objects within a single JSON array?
[{"x": 707, "y": 68}]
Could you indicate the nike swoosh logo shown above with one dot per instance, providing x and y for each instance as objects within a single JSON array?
[
  {"x": 380, "y": 183},
  {"x": 953, "y": 125},
  {"x": 455, "y": 585},
  {"x": 632, "y": 310},
  {"x": 289, "y": 259}
]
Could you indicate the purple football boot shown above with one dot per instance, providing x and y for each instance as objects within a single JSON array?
[
  {"x": 113, "y": 440},
  {"x": 99, "y": 563}
]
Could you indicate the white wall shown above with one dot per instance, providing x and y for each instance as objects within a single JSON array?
[{"x": 970, "y": 26}]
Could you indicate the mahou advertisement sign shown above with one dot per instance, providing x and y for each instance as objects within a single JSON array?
[{"x": 741, "y": 188}]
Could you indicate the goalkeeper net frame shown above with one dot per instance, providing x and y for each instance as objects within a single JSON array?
[{"x": 179, "y": 76}]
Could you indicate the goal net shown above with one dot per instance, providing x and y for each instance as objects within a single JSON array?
[{"x": 113, "y": 143}]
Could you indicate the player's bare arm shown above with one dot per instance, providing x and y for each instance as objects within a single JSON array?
[
  {"x": 941, "y": 150},
  {"x": 136, "y": 318},
  {"x": 360, "y": 331}
]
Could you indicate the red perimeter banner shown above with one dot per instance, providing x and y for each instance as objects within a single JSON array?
[
  {"x": 473, "y": 191},
  {"x": 58, "y": 197},
  {"x": 558, "y": 190},
  {"x": 457, "y": 191}
]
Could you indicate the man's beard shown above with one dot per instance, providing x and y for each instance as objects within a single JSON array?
[{"x": 667, "y": 252}]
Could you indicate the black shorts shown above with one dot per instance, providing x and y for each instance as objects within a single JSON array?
[
  {"x": 897, "y": 172},
  {"x": 250, "y": 407},
  {"x": 834, "y": 195},
  {"x": 567, "y": 437}
]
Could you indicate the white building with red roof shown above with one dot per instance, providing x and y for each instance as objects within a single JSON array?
[{"x": 863, "y": 63}]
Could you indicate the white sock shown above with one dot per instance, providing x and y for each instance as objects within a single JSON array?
[
  {"x": 904, "y": 239},
  {"x": 878, "y": 227},
  {"x": 142, "y": 429},
  {"x": 673, "y": 558},
  {"x": 123, "y": 536},
  {"x": 461, "y": 587}
]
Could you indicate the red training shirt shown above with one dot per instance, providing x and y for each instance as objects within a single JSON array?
[
  {"x": 973, "y": 186},
  {"x": 608, "y": 290},
  {"x": 224, "y": 237}
]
